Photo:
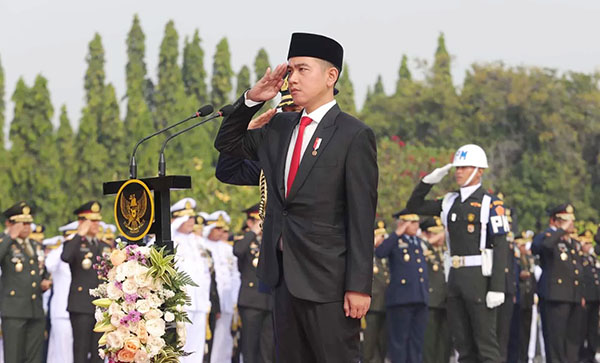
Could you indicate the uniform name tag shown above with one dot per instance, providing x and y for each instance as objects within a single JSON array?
[{"x": 453, "y": 217}]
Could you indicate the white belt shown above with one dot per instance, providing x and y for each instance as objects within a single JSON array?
[{"x": 466, "y": 261}]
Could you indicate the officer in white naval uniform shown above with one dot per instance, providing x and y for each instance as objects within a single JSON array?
[
  {"x": 193, "y": 259},
  {"x": 60, "y": 342},
  {"x": 228, "y": 283}
]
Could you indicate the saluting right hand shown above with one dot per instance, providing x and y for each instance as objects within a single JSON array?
[
  {"x": 437, "y": 175},
  {"x": 84, "y": 227},
  {"x": 15, "y": 229},
  {"x": 269, "y": 85}
]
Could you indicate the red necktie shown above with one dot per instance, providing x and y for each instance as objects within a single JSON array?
[{"x": 305, "y": 121}]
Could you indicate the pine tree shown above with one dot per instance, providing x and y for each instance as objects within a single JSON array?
[
  {"x": 261, "y": 63},
  {"x": 404, "y": 75},
  {"x": 222, "y": 74},
  {"x": 378, "y": 87},
  {"x": 91, "y": 170},
  {"x": 441, "y": 65},
  {"x": 243, "y": 80},
  {"x": 65, "y": 145},
  {"x": 345, "y": 97},
  {"x": 4, "y": 180},
  {"x": 170, "y": 95},
  {"x": 139, "y": 121},
  {"x": 194, "y": 74}
]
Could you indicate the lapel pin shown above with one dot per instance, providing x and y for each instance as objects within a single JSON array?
[{"x": 316, "y": 146}]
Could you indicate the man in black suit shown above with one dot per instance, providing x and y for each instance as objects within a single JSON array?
[
  {"x": 321, "y": 171},
  {"x": 81, "y": 253}
]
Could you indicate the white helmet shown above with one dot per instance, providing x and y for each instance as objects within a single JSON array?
[{"x": 470, "y": 155}]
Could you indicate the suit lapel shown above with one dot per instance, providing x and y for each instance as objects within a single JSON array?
[
  {"x": 286, "y": 135},
  {"x": 325, "y": 131}
]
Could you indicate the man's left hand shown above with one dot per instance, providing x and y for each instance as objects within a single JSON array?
[
  {"x": 262, "y": 120},
  {"x": 356, "y": 304}
]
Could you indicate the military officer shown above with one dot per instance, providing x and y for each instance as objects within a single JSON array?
[
  {"x": 80, "y": 253},
  {"x": 228, "y": 283},
  {"x": 526, "y": 293},
  {"x": 193, "y": 258},
  {"x": 505, "y": 311},
  {"x": 562, "y": 284},
  {"x": 23, "y": 281},
  {"x": 591, "y": 268},
  {"x": 60, "y": 342},
  {"x": 254, "y": 307},
  {"x": 437, "y": 346},
  {"x": 375, "y": 334},
  {"x": 476, "y": 228},
  {"x": 407, "y": 294}
]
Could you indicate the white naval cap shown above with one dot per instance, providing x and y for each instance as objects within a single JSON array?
[
  {"x": 184, "y": 207},
  {"x": 53, "y": 241}
]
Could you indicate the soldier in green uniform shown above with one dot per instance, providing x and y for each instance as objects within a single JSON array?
[
  {"x": 437, "y": 345},
  {"x": 80, "y": 253},
  {"x": 375, "y": 333},
  {"x": 476, "y": 228},
  {"x": 562, "y": 284},
  {"x": 254, "y": 306},
  {"x": 23, "y": 281},
  {"x": 591, "y": 268},
  {"x": 526, "y": 293}
]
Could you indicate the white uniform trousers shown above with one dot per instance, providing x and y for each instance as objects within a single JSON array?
[
  {"x": 195, "y": 337},
  {"x": 60, "y": 342},
  {"x": 222, "y": 349}
]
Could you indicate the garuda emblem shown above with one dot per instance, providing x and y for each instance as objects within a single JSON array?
[{"x": 133, "y": 210}]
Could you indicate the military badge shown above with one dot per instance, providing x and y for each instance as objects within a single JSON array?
[
  {"x": 564, "y": 256},
  {"x": 435, "y": 267},
  {"x": 375, "y": 269},
  {"x": 471, "y": 217},
  {"x": 255, "y": 262},
  {"x": 470, "y": 228},
  {"x": 134, "y": 210}
]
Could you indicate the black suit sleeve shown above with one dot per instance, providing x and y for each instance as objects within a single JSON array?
[
  {"x": 234, "y": 138},
  {"x": 361, "y": 195},
  {"x": 5, "y": 242},
  {"x": 418, "y": 204},
  {"x": 237, "y": 171},
  {"x": 385, "y": 248},
  {"x": 70, "y": 249},
  {"x": 550, "y": 241},
  {"x": 241, "y": 247}
]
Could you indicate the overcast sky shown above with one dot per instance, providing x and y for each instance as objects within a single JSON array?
[{"x": 50, "y": 37}]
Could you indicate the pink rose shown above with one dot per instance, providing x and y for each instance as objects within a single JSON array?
[{"x": 117, "y": 257}]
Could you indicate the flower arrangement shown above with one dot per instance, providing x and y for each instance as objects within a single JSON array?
[{"x": 139, "y": 307}]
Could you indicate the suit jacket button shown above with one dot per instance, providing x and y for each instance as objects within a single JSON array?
[
  {"x": 80, "y": 288},
  {"x": 33, "y": 297},
  {"x": 32, "y": 273},
  {"x": 33, "y": 284},
  {"x": 559, "y": 281},
  {"x": 403, "y": 281},
  {"x": 285, "y": 213},
  {"x": 251, "y": 284},
  {"x": 12, "y": 293}
]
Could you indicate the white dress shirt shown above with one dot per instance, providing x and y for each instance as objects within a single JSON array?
[
  {"x": 316, "y": 116},
  {"x": 465, "y": 192}
]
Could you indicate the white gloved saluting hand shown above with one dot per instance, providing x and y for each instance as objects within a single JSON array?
[
  {"x": 437, "y": 175},
  {"x": 494, "y": 299}
]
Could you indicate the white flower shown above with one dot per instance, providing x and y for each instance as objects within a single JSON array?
[
  {"x": 141, "y": 277},
  {"x": 179, "y": 308},
  {"x": 115, "y": 319},
  {"x": 114, "y": 340},
  {"x": 113, "y": 292},
  {"x": 156, "y": 284},
  {"x": 142, "y": 306},
  {"x": 154, "y": 345},
  {"x": 130, "y": 268},
  {"x": 128, "y": 307},
  {"x": 169, "y": 294},
  {"x": 101, "y": 353},
  {"x": 129, "y": 286},
  {"x": 98, "y": 315},
  {"x": 112, "y": 274},
  {"x": 141, "y": 356},
  {"x": 154, "y": 301},
  {"x": 144, "y": 292},
  {"x": 153, "y": 314},
  {"x": 155, "y": 327},
  {"x": 169, "y": 316},
  {"x": 114, "y": 308},
  {"x": 144, "y": 250},
  {"x": 120, "y": 273}
]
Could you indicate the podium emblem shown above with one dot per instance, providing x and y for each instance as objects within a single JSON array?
[{"x": 134, "y": 209}]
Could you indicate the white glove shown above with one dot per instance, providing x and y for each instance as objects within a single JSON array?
[
  {"x": 437, "y": 175},
  {"x": 494, "y": 299}
]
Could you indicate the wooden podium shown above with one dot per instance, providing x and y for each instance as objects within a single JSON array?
[{"x": 161, "y": 187}]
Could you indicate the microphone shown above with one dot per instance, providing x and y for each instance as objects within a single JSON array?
[
  {"x": 162, "y": 164},
  {"x": 202, "y": 111}
]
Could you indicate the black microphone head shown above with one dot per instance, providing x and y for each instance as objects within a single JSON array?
[
  {"x": 205, "y": 110},
  {"x": 226, "y": 110}
]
